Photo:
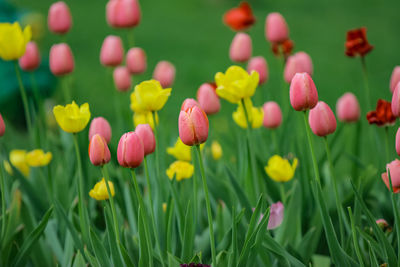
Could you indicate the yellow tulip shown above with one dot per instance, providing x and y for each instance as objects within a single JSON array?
[
  {"x": 37, "y": 158},
  {"x": 144, "y": 118},
  {"x": 181, "y": 170},
  {"x": 99, "y": 191},
  {"x": 255, "y": 115},
  {"x": 7, "y": 167},
  {"x": 18, "y": 160},
  {"x": 279, "y": 169},
  {"x": 149, "y": 96},
  {"x": 71, "y": 118},
  {"x": 216, "y": 150},
  {"x": 164, "y": 207},
  {"x": 13, "y": 40},
  {"x": 181, "y": 151},
  {"x": 236, "y": 84}
]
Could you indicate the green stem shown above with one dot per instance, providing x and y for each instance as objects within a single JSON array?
[
  {"x": 283, "y": 193},
  {"x": 387, "y": 143},
  {"x": 275, "y": 141},
  {"x": 366, "y": 83},
  {"x": 24, "y": 98},
  {"x": 314, "y": 159},
  {"x": 3, "y": 200},
  {"x": 285, "y": 98},
  {"x": 157, "y": 156},
  {"x": 66, "y": 89},
  {"x": 208, "y": 206},
  {"x": 355, "y": 239},
  {"x": 396, "y": 213},
  {"x": 131, "y": 39},
  {"x": 46, "y": 185}
]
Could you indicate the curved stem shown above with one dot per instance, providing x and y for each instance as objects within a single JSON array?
[
  {"x": 366, "y": 83},
  {"x": 24, "y": 98},
  {"x": 387, "y": 143}
]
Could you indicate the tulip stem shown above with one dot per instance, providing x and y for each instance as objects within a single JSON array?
[
  {"x": 314, "y": 159},
  {"x": 355, "y": 239},
  {"x": 66, "y": 89},
  {"x": 366, "y": 83},
  {"x": 387, "y": 143},
  {"x": 396, "y": 212},
  {"x": 275, "y": 141},
  {"x": 208, "y": 206},
  {"x": 3, "y": 201},
  {"x": 283, "y": 193},
  {"x": 154, "y": 116}
]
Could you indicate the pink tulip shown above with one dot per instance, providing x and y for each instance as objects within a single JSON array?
[
  {"x": 397, "y": 141},
  {"x": 61, "y": 59},
  {"x": 322, "y": 120},
  {"x": 30, "y": 61},
  {"x": 208, "y": 99},
  {"x": 99, "y": 153},
  {"x": 260, "y": 65},
  {"x": 100, "y": 126},
  {"x": 394, "y": 169},
  {"x": 123, "y": 13},
  {"x": 112, "y": 51},
  {"x": 189, "y": 103},
  {"x": 59, "y": 18},
  {"x": 272, "y": 115},
  {"x": 241, "y": 48},
  {"x": 136, "y": 60},
  {"x": 2, "y": 126},
  {"x": 396, "y": 101},
  {"x": 146, "y": 134},
  {"x": 297, "y": 63},
  {"x": 164, "y": 72},
  {"x": 382, "y": 223},
  {"x": 275, "y": 215},
  {"x": 395, "y": 78},
  {"x": 303, "y": 93},
  {"x": 347, "y": 108},
  {"x": 276, "y": 29},
  {"x": 130, "y": 152},
  {"x": 122, "y": 79},
  {"x": 193, "y": 124}
]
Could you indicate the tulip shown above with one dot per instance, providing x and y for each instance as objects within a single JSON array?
[
  {"x": 18, "y": 160},
  {"x": 130, "y": 152},
  {"x": 347, "y": 108},
  {"x": 276, "y": 29},
  {"x": 123, "y": 13},
  {"x": 297, "y": 63},
  {"x": 279, "y": 169},
  {"x": 193, "y": 125},
  {"x": 13, "y": 40},
  {"x": 254, "y": 115},
  {"x": 394, "y": 169},
  {"x": 208, "y": 99},
  {"x": 241, "y": 48},
  {"x": 7, "y": 167},
  {"x": 37, "y": 158},
  {"x": 112, "y": 51},
  {"x": 122, "y": 78},
  {"x": 216, "y": 150},
  {"x": 2, "y": 126},
  {"x": 59, "y": 18},
  {"x": 181, "y": 170},
  {"x": 180, "y": 151},
  {"x": 275, "y": 215},
  {"x": 100, "y": 126},
  {"x": 149, "y": 96},
  {"x": 395, "y": 78},
  {"x": 71, "y": 118},
  {"x": 136, "y": 60},
  {"x": 398, "y": 142},
  {"x": 146, "y": 134},
  {"x": 145, "y": 118},
  {"x": 322, "y": 120},
  {"x": 189, "y": 103},
  {"x": 164, "y": 72},
  {"x": 303, "y": 93},
  {"x": 259, "y": 64},
  {"x": 272, "y": 115},
  {"x": 239, "y": 18},
  {"x": 61, "y": 59},
  {"x": 99, "y": 154},
  {"x": 31, "y": 59},
  {"x": 383, "y": 224},
  {"x": 99, "y": 191},
  {"x": 396, "y": 101}
]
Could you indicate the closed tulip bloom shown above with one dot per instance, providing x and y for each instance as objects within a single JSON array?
[
  {"x": 99, "y": 154},
  {"x": 193, "y": 125},
  {"x": 145, "y": 133},
  {"x": 303, "y": 93},
  {"x": 275, "y": 215},
  {"x": 297, "y": 63},
  {"x": 31, "y": 59},
  {"x": 272, "y": 115},
  {"x": 149, "y": 96},
  {"x": 241, "y": 48},
  {"x": 279, "y": 169},
  {"x": 122, "y": 78},
  {"x": 396, "y": 101},
  {"x": 254, "y": 115},
  {"x": 164, "y": 72},
  {"x": 322, "y": 120},
  {"x": 13, "y": 40},
  {"x": 393, "y": 168},
  {"x": 180, "y": 170},
  {"x": 112, "y": 51},
  {"x": 216, "y": 150},
  {"x": 259, "y": 64},
  {"x": 145, "y": 118},
  {"x": 59, "y": 19},
  {"x": 136, "y": 60},
  {"x": 99, "y": 191},
  {"x": 72, "y": 118},
  {"x": 38, "y": 158},
  {"x": 18, "y": 160},
  {"x": 2, "y": 126},
  {"x": 208, "y": 98},
  {"x": 123, "y": 13},
  {"x": 189, "y": 103},
  {"x": 398, "y": 142},
  {"x": 347, "y": 108},
  {"x": 100, "y": 126},
  {"x": 276, "y": 29},
  {"x": 130, "y": 152},
  {"x": 61, "y": 59},
  {"x": 395, "y": 78}
]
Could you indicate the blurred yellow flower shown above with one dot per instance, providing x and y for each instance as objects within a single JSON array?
[
  {"x": 99, "y": 191},
  {"x": 7, "y": 167},
  {"x": 144, "y": 118},
  {"x": 149, "y": 96},
  {"x": 164, "y": 207},
  {"x": 236, "y": 84},
  {"x": 37, "y": 22},
  {"x": 181, "y": 151},
  {"x": 18, "y": 160},
  {"x": 181, "y": 170},
  {"x": 37, "y": 158},
  {"x": 279, "y": 169},
  {"x": 255, "y": 115},
  {"x": 216, "y": 150},
  {"x": 71, "y": 118},
  {"x": 13, "y": 40}
]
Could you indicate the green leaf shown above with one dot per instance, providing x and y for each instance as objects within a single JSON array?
[
  {"x": 143, "y": 251},
  {"x": 79, "y": 261},
  {"x": 114, "y": 248},
  {"x": 173, "y": 261},
  {"x": 244, "y": 201},
  {"x": 222, "y": 259},
  {"x": 271, "y": 245},
  {"x": 99, "y": 250},
  {"x": 92, "y": 259},
  {"x": 372, "y": 256},
  {"x": 188, "y": 234}
]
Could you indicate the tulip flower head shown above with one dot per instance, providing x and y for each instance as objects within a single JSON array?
[
  {"x": 61, "y": 59},
  {"x": 347, "y": 108},
  {"x": 136, "y": 60},
  {"x": 145, "y": 118},
  {"x": 241, "y": 48},
  {"x": 180, "y": 170},
  {"x": 254, "y": 115},
  {"x": 100, "y": 125},
  {"x": 275, "y": 215},
  {"x": 272, "y": 115},
  {"x": 279, "y": 169},
  {"x": 2, "y": 126},
  {"x": 398, "y": 141},
  {"x": 395, "y": 78},
  {"x": 38, "y": 158},
  {"x": 383, "y": 224},
  {"x": 123, "y": 13},
  {"x": 59, "y": 19},
  {"x": 122, "y": 79},
  {"x": 99, "y": 154},
  {"x": 383, "y": 115},
  {"x": 18, "y": 160},
  {"x": 30, "y": 61},
  {"x": 13, "y": 40},
  {"x": 146, "y": 134},
  {"x": 193, "y": 124},
  {"x": 180, "y": 151},
  {"x": 216, "y": 150},
  {"x": 276, "y": 28},
  {"x": 259, "y": 64},
  {"x": 99, "y": 191},
  {"x": 112, "y": 51},
  {"x": 130, "y": 150},
  {"x": 297, "y": 63},
  {"x": 239, "y": 18},
  {"x": 149, "y": 96},
  {"x": 71, "y": 118},
  {"x": 303, "y": 93},
  {"x": 396, "y": 101},
  {"x": 208, "y": 98},
  {"x": 392, "y": 169},
  {"x": 322, "y": 120},
  {"x": 8, "y": 168},
  {"x": 164, "y": 72},
  {"x": 357, "y": 43}
]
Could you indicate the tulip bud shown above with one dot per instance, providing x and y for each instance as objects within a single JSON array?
[
  {"x": 397, "y": 140},
  {"x": 31, "y": 59},
  {"x": 347, "y": 108},
  {"x": 130, "y": 150},
  {"x": 297, "y": 63},
  {"x": 122, "y": 79},
  {"x": 59, "y": 18},
  {"x": 276, "y": 29},
  {"x": 112, "y": 51},
  {"x": 395, "y": 78},
  {"x": 208, "y": 99},
  {"x": 189, "y": 103},
  {"x": 322, "y": 120},
  {"x": 164, "y": 72},
  {"x": 396, "y": 101},
  {"x": 123, "y": 13},
  {"x": 100, "y": 126},
  {"x": 193, "y": 124},
  {"x": 241, "y": 48},
  {"x": 394, "y": 169},
  {"x": 2, "y": 126},
  {"x": 303, "y": 93},
  {"x": 259, "y": 64},
  {"x": 99, "y": 153},
  {"x": 61, "y": 59},
  {"x": 275, "y": 215},
  {"x": 136, "y": 60},
  {"x": 146, "y": 134},
  {"x": 272, "y": 115}
]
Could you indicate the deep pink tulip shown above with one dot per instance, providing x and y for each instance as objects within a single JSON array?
[
  {"x": 122, "y": 78},
  {"x": 59, "y": 18},
  {"x": 130, "y": 150},
  {"x": 303, "y": 93},
  {"x": 164, "y": 72},
  {"x": 208, "y": 99},
  {"x": 395, "y": 78},
  {"x": 272, "y": 115},
  {"x": 260, "y": 65},
  {"x": 99, "y": 153},
  {"x": 394, "y": 169},
  {"x": 275, "y": 215},
  {"x": 145, "y": 133},
  {"x": 396, "y": 101},
  {"x": 322, "y": 120},
  {"x": 112, "y": 51},
  {"x": 193, "y": 124},
  {"x": 123, "y": 13},
  {"x": 347, "y": 108},
  {"x": 30, "y": 61},
  {"x": 297, "y": 63},
  {"x": 61, "y": 59},
  {"x": 2, "y": 126},
  {"x": 100, "y": 126},
  {"x": 276, "y": 29},
  {"x": 398, "y": 142},
  {"x": 136, "y": 60},
  {"x": 241, "y": 47}
]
